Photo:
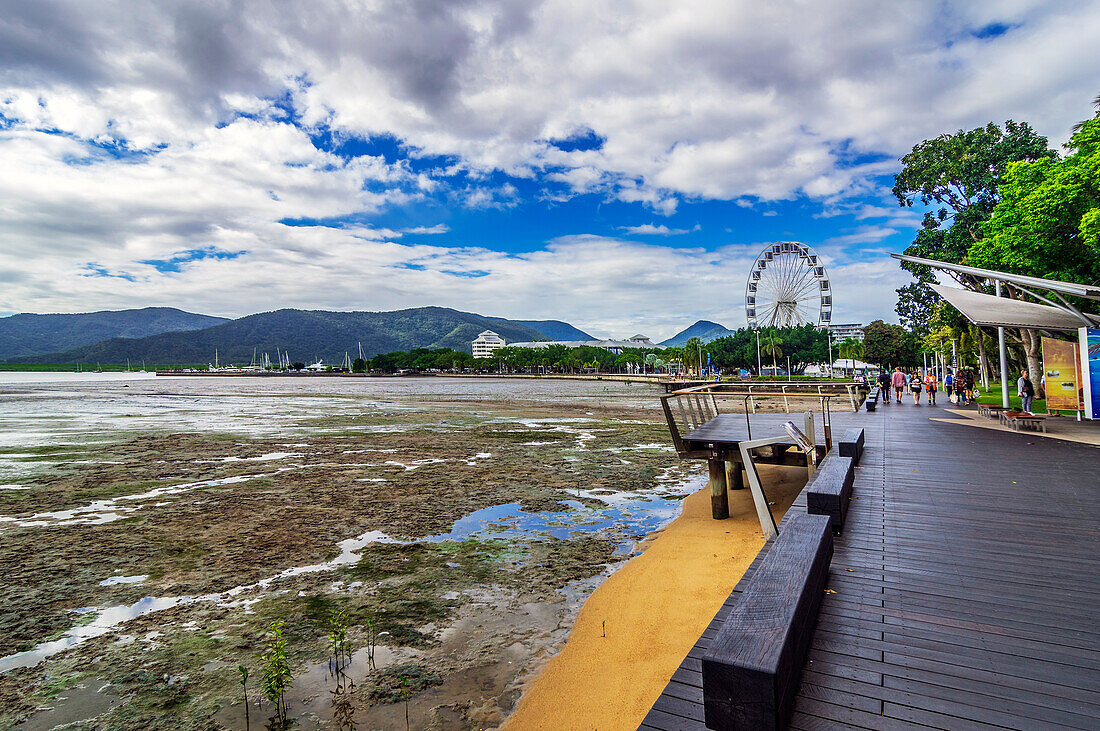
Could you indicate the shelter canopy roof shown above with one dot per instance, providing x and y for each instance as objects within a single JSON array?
[{"x": 985, "y": 309}]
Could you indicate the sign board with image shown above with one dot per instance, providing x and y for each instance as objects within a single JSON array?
[
  {"x": 1090, "y": 370},
  {"x": 1060, "y": 366}
]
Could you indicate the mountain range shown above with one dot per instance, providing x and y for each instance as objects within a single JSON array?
[
  {"x": 307, "y": 334},
  {"x": 705, "y": 330},
  {"x": 30, "y": 334}
]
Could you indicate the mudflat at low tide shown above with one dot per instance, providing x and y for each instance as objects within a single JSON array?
[{"x": 151, "y": 531}]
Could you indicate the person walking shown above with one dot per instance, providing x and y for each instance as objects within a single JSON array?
[
  {"x": 931, "y": 385},
  {"x": 968, "y": 385},
  {"x": 1026, "y": 391},
  {"x": 884, "y": 384},
  {"x": 898, "y": 380},
  {"x": 916, "y": 386}
]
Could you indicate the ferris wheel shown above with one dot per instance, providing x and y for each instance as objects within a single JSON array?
[{"x": 788, "y": 286}]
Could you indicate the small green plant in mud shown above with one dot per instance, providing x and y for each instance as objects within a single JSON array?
[
  {"x": 276, "y": 671},
  {"x": 244, "y": 690},
  {"x": 405, "y": 694},
  {"x": 338, "y": 624},
  {"x": 372, "y": 641}
]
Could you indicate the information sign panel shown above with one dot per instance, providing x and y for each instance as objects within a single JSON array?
[
  {"x": 1060, "y": 367},
  {"x": 1090, "y": 370}
]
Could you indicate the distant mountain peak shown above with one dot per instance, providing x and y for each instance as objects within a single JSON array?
[{"x": 705, "y": 330}]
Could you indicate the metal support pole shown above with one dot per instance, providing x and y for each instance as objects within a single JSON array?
[
  {"x": 1004, "y": 357},
  {"x": 758, "y": 373}
]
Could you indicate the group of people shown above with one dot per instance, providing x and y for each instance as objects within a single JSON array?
[
  {"x": 960, "y": 385},
  {"x": 901, "y": 382}
]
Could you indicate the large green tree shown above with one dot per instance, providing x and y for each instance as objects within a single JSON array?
[
  {"x": 1047, "y": 223},
  {"x": 959, "y": 177},
  {"x": 889, "y": 345}
]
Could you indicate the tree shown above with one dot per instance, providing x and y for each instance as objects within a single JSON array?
[
  {"x": 693, "y": 354},
  {"x": 960, "y": 173},
  {"x": 1047, "y": 223},
  {"x": 889, "y": 345},
  {"x": 771, "y": 343},
  {"x": 850, "y": 348},
  {"x": 358, "y": 366}
]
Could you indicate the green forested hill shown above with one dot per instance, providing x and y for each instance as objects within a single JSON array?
[
  {"x": 305, "y": 334},
  {"x": 30, "y": 334},
  {"x": 552, "y": 329}
]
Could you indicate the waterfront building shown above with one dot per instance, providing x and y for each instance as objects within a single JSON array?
[
  {"x": 485, "y": 343},
  {"x": 841, "y": 332},
  {"x": 613, "y": 346}
]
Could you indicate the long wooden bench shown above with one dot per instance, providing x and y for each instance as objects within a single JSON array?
[
  {"x": 873, "y": 398},
  {"x": 830, "y": 489},
  {"x": 751, "y": 669},
  {"x": 851, "y": 445}
]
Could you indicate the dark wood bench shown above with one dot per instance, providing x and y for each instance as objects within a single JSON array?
[
  {"x": 873, "y": 397},
  {"x": 851, "y": 445},
  {"x": 751, "y": 669},
  {"x": 830, "y": 489}
]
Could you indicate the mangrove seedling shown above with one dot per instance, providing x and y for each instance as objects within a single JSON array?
[
  {"x": 276, "y": 669},
  {"x": 338, "y": 633},
  {"x": 372, "y": 640},
  {"x": 405, "y": 694},
  {"x": 244, "y": 689}
]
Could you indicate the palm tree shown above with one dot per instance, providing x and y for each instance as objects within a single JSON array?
[
  {"x": 851, "y": 348},
  {"x": 771, "y": 344},
  {"x": 693, "y": 353}
]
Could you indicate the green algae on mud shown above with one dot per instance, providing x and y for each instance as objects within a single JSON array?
[{"x": 346, "y": 477}]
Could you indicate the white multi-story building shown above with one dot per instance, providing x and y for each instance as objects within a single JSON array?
[
  {"x": 486, "y": 343},
  {"x": 845, "y": 331}
]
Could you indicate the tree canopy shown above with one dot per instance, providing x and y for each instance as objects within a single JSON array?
[
  {"x": 889, "y": 345},
  {"x": 961, "y": 173},
  {"x": 1047, "y": 223}
]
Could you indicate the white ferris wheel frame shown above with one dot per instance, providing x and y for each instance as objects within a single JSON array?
[{"x": 793, "y": 284}]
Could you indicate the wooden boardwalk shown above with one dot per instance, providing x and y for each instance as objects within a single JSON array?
[{"x": 967, "y": 587}]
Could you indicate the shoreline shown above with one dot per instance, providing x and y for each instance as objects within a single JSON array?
[{"x": 638, "y": 625}]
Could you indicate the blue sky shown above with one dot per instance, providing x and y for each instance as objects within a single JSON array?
[{"x": 616, "y": 165}]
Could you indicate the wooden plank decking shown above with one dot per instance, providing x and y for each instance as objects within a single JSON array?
[{"x": 967, "y": 587}]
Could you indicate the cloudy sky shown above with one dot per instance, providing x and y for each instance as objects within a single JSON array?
[{"x": 617, "y": 165}]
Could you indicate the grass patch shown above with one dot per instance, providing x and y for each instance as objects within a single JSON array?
[
  {"x": 387, "y": 682},
  {"x": 993, "y": 396}
]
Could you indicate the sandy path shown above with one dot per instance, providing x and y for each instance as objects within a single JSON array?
[{"x": 655, "y": 608}]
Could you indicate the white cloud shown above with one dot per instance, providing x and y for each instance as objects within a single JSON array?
[
  {"x": 439, "y": 228},
  {"x": 648, "y": 229},
  {"x": 862, "y": 235},
  {"x": 179, "y": 126}
]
